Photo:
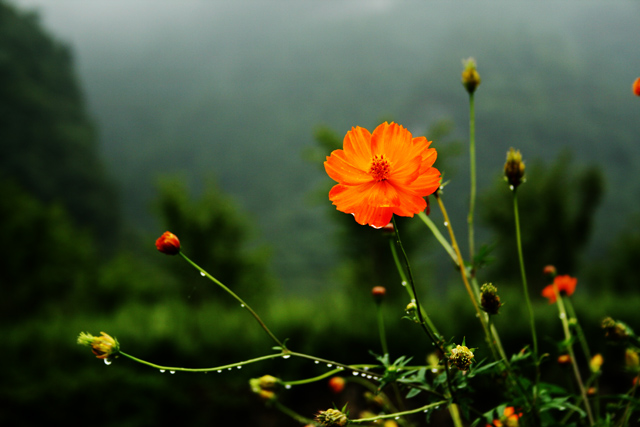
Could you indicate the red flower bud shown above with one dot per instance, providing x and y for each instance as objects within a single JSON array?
[
  {"x": 336, "y": 384},
  {"x": 636, "y": 87},
  {"x": 378, "y": 292},
  {"x": 168, "y": 243}
]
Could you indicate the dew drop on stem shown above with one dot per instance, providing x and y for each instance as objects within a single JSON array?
[
  {"x": 162, "y": 371},
  {"x": 107, "y": 362}
]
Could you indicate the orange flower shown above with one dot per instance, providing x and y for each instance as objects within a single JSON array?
[
  {"x": 566, "y": 286},
  {"x": 168, "y": 243},
  {"x": 636, "y": 87},
  {"x": 508, "y": 419},
  {"x": 382, "y": 173}
]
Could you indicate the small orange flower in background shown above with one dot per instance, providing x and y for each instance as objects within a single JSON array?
[
  {"x": 636, "y": 87},
  {"x": 508, "y": 419},
  {"x": 336, "y": 384},
  {"x": 566, "y": 286},
  {"x": 168, "y": 243},
  {"x": 382, "y": 173}
]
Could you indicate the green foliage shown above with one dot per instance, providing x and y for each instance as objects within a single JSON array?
[{"x": 49, "y": 144}]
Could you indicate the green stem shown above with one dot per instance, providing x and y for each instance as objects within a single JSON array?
[
  {"x": 233, "y": 294},
  {"x": 383, "y": 336},
  {"x": 409, "y": 290},
  {"x": 472, "y": 198},
  {"x": 291, "y": 413},
  {"x": 532, "y": 322},
  {"x": 567, "y": 335},
  {"x": 237, "y": 365},
  {"x": 399, "y": 414},
  {"x": 439, "y": 237}
]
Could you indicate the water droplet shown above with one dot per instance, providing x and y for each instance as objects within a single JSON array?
[
  {"x": 434, "y": 370},
  {"x": 562, "y": 408},
  {"x": 242, "y": 305},
  {"x": 107, "y": 362},
  {"x": 425, "y": 411},
  {"x": 562, "y": 315},
  {"x": 366, "y": 368},
  {"x": 369, "y": 377},
  {"x": 239, "y": 367},
  {"x": 446, "y": 223},
  {"x": 316, "y": 361},
  {"x": 413, "y": 300},
  {"x": 172, "y": 372},
  {"x": 477, "y": 314},
  {"x": 404, "y": 283},
  {"x": 511, "y": 187},
  {"x": 228, "y": 369},
  {"x": 286, "y": 356},
  {"x": 219, "y": 370},
  {"x": 202, "y": 273},
  {"x": 397, "y": 418},
  {"x": 329, "y": 365},
  {"x": 341, "y": 367},
  {"x": 162, "y": 371},
  {"x": 355, "y": 374},
  {"x": 288, "y": 386}
]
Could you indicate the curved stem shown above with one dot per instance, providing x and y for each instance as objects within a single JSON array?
[
  {"x": 237, "y": 365},
  {"x": 399, "y": 414},
  {"x": 233, "y": 294}
]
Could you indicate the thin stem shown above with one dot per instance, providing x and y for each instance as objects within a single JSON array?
[
  {"x": 467, "y": 286},
  {"x": 237, "y": 365},
  {"x": 409, "y": 290},
  {"x": 439, "y": 237},
  {"x": 383, "y": 336},
  {"x": 233, "y": 294},
  {"x": 291, "y": 413},
  {"x": 472, "y": 197},
  {"x": 399, "y": 414},
  {"x": 567, "y": 335},
  {"x": 532, "y": 322},
  {"x": 435, "y": 337}
]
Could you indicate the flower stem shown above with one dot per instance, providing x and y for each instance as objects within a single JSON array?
[
  {"x": 532, "y": 322},
  {"x": 233, "y": 294},
  {"x": 383, "y": 336},
  {"x": 217, "y": 368},
  {"x": 472, "y": 196},
  {"x": 399, "y": 414},
  {"x": 465, "y": 280},
  {"x": 567, "y": 335}
]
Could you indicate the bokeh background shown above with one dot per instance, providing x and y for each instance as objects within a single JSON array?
[{"x": 122, "y": 119}]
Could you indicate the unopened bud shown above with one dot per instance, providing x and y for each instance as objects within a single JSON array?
[
  {"x": 168, "y": 243},
  {"x": 378, "y": 293},
  {"x": 336, "y": 384},
  {"x": 615, "y": 331},
  {"x": 564, "y": 359},
  {"x": 104, "y": 346},
  {"x": 596, "y": 363},
  {"x": 514, "y": 168},
  {"x": 489, "y": 299},
  {"x": 549, "y": 270},
  {"x": 470, "y": 76},
  {"x": 635, "y": 88},
  {"x": 632, "y": 360}
]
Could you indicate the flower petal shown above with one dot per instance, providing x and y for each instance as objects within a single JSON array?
[
  {"x": 341, "y": 170},
  {"x": 357, "y": 147}
]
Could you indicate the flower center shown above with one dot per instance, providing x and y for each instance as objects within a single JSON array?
[{"x": 379, "y": 168}]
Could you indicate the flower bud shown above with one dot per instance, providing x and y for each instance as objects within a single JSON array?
[
  {"x": 168, "y": 243},
  {"x": 461, "y": 357},
  {"x": 489, "y": 299},
  {"x": 564, "y": 359},
  {"x": 596, "y": 363},
  {"x": 514, "y": 168},
  {"x": 615, "y": 331},
  {"x": 635, "y": 88},
  {"x": 104, "y": 346},
  {"x": 378, "y": 293},
  {"x": 549, "y": 270},
  {"x": 336, "y": 384},
  {"x": 332, "y": 417},
  {"x": 470, "y": 76},
  {"x": 265, "y": 386},
  {"x": 632, "y": 360}
]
